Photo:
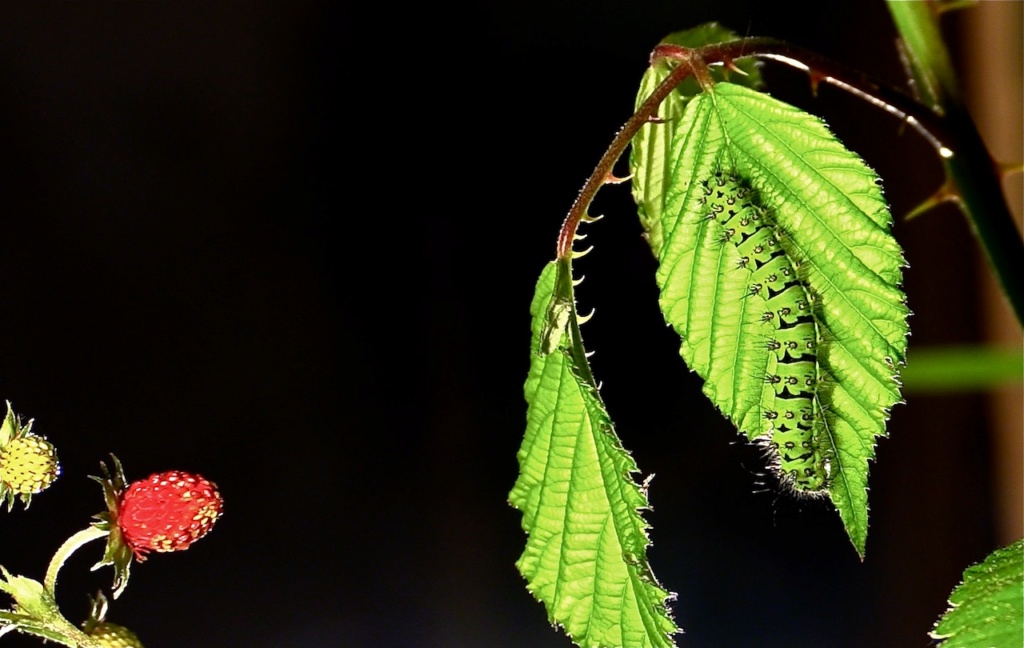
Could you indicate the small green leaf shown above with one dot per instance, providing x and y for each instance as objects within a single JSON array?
[
  {"x": 36, "y": 613},
  {"x": 987, "y": 609},
  {"x": 821, "y": 209},
  {"x": 586, "y": 554},
  {"x": 30, "y": 595}
]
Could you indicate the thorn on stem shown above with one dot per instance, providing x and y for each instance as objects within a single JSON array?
[
  {"x": 815, "y": 78},
  {"x": 613, "y": 179},
  {"x": 581, "y": 253},
  {"x": 952, "y": 5},
  {"x": 1009, "y": 168},
  {"x": 944, "y": 194},
  {"x": 902, "y": 127},
  {"x": 732, "y": 67}
]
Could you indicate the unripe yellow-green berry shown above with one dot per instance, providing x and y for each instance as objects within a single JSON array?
[
  {"x": 111, "y": 635},
  {"x": 28, "y": 464}
]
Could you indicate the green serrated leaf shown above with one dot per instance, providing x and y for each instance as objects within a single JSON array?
[
  {"x": 648, "y": 156},
  {"x": 825, "y": 210},
  {"x": 36, "y": 613},
  {"x": 987, "y": 609},
  {"x": 586, "y": 554}
]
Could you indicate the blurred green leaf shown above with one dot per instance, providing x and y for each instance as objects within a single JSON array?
[{"x": 961, "y": 368}]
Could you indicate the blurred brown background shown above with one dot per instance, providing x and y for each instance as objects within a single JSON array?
[{"x": 291, "y": 246}]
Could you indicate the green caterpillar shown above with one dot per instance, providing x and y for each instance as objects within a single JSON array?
[{"x": 794, "y": 424}]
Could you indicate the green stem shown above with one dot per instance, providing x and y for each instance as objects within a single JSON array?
[
  {"x": 70, "y": 546},
  {"x": 931, "y": 68},
  {"x": 974, "y": 175},
  {"x": 976, "y": 179},
  {"x": 58, "y": 630}
]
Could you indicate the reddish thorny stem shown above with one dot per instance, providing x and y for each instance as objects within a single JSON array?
[
  {"x": 697, "y": 60},
  {"x": 603, "y": 171}
]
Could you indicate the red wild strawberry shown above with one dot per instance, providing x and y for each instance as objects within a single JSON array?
[{"x": 167, "y": 512}]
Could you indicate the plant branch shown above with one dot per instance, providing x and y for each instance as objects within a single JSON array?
[
  {"x": 70, "y": 546},
  {"x": 931, "y": 70},
  {"x": 897, "y": 103},
  {"x": 953, "y": 135},
  {"x": 971, "y": 172},
  {"x": 602, "y": 172},
  {"x": 930, "y": 125}
]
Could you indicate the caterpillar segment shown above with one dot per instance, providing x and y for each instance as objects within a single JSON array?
[{"x": 793, "y": 423}]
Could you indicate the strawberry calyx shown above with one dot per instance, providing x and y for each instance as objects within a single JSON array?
[{"x": 117, "y": 552}]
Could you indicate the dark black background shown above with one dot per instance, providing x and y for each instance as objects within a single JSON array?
[{"x": 291, "y": 246}]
